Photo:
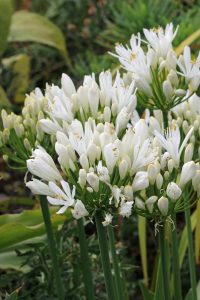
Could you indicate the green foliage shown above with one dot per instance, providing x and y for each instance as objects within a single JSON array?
[{"x": 5, "y": 21}]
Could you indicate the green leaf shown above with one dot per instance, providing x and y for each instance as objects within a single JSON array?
[
  {"x": 184, "y": 241},
  {"x": 20, "y": 66},
  {"x": 10, "y": 260},
  {"x": 17, "y": 228},
  {"x": 159, "y": 284},
  {"x": 147, "y": 294},
  {"x": 5, "y": 21},
  {"x": 4, "y": 101},
  {"x": 197, "y": 235},
  {"x": 188, "y": 41},
  {"x": 32, "y": 27},
  {"x": 143, "y": 246}
]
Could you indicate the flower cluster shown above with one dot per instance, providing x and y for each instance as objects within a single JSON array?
[{"x": 107, "y": 156}]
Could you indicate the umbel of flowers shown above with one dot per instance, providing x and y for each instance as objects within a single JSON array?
[{"x": 91, "y": 152}]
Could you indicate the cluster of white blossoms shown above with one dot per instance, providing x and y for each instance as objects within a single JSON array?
[{"x": 108, "y": 157}]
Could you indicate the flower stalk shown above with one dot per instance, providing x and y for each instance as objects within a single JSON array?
[
  {"x": 103, "y": 245},
  {"x": 85, "y": 261},
  {"x": 52, "y": 247},
  {"x": 116, "y": 267},
  {"x": 193, "y": 279},
  {"x": 164, "y": 261}
]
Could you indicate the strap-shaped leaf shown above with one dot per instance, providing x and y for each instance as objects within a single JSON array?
[
  {"x": 32, "y": 27},
  {"x": 5, "y": 21}
]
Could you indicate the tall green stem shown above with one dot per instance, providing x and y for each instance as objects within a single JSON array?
[
  {"x": 118, "y": 278},
  {"x": 103, "y": 245},
  {"x": 85, "y": 262},
  {"x": 164, "y": 262},
  {"x": 52, "y": 246},
  {"x": 176, "y": 267},
  {"x": 193, "y": 279}
]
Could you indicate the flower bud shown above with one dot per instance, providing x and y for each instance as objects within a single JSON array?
[
  {"x": 84, "y": 161},
  {"x": 67, "y": 85},
  {"x": 27, "y": 144},
  {"x": 166, "y": 175},
  {"x": 173, "y": 191},
  {"x": 180, "y": 92},
  {"x": 159, "y": 181},
  {"x": 170, "y": 165},
  {"x": 19, "y": 129},
  {"x": 93, "y": 181},
  {"x": 150, "y": 203},
  {"x": 82, "y": 177},
  {"x": 140, "y": 181},
  {"x": 196, "y": 180},
  {"x": 188, "y": 153},
  {"x": 107, "y": 114},
  {"x": 128, "y": 192},
  {"x": 187, "y": 173},
  {"x": 93, "y": 98},
  {"x": 92, "y": 153},
  {"x": 196, "y": 125},
  {"x": 123, "y": 168},
  {"x": 152, "y": 173},
  {"x": 139, "y": 203},
  {"x": 185, "y": 127},
  {"x": 168, "y": 90},
  {"x": 163, "y": 205},
  {"x": 122, "y": 120},
  {"x": 114, "y": 109}
]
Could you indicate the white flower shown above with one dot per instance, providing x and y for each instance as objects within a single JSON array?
[
  {"x": 79, "y": 210},
  {"x": 171, "y": 142},
  {"x": 64, "y": 197},
  {"x": 189, "y": 68},
  {"x": 173, "y": 191},
  {"x": 187, "y": 173},
  {"x": 125, "y": 209},
  {"x": 140, "y": 181},
  {"x": 38, "y": 187},
  {"x": 49, "y": 126},
  {"x": 160, "y": 39},
  {"x": 163, "y": 205},
  {"x": 102, "y": 172},
  {"x": 108, "y": 220},
  {"x": 42, "y": 165}
]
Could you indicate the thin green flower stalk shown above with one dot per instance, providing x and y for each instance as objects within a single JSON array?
[
  {"x": 116, "y": 266},
  {"x": 104, "y": 252},
  {"x": 85, "y": 262},
  {"x": 191, "y": 257},
  {"x": 52, "y": 247}
]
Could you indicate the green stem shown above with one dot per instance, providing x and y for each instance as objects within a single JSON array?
[
  {"x": 175, "y": 259},
  {"x": 103, "y": 245},
  {"x": 85, "y": 262},
  {"x": 164, "y": 262},
  {"x": 193, "y": 279},
  {"x": 52, "y": 246},
  {"x": 118, "y": 278}
]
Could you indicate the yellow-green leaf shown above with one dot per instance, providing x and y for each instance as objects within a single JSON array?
[
  {"x": 20, "y": 66},
  {"x": 5, "y": 21},
  {"x": 197, "y": 234},
  {"x": 143, "y": 247},
  {"x": 4, "y": 101},
  {"x": 32, "y": 27},
  {"x": 188, "y": 41},
  {"x": 184, "y": 241}
]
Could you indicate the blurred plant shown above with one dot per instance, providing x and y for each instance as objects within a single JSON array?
[{"x": 22, "y": 26}]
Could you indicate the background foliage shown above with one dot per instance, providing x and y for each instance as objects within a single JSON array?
[{"x": 72, "y": 36}]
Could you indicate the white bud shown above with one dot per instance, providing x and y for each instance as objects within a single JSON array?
[
  {"x": 140, "y": 181},
  {"x": 93, "y": 181},
  {"x": 114, "y": 109},
  {"x": 187, "y": 173},
  {"x": 84, "y": 161},
  {"x": 196, "y": 180},
  {"x": 159, "y": 181},
  {"x": 107, "y": 114},
  {"x": 180, "y": 92},
  {"x": 168, "y": 90},
  {"x": 164, "y": 159},
  {"x": 166, "y": 175},
  {"x": 139, "y": 203},
  {"x": 163, "y": 204},
  {"x": 171, "y": 165},
  {"x": 93, "y": 98},
  {"x": 185, "y": 127},
  {"x": 152, "y": 173},
  {"x": 150, "y": 203},
  {"x": 92, "y": 153},
  {"x": 123, "y": 168},
  {"x": 128, "y": 192},
  {"x": 122, "y": 120},
  {"x": 173, "y": 78},
  {"x": 173, "y": 191},
  {"x": 196, "y": 124},
  {"x": 27, "y": 144},
  {"x": 82, "y": 177},
  {"x": 188, "y": 153},
  {"x": 67, "y": 85},
  {"x": 19, "y": 129}
]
